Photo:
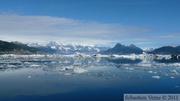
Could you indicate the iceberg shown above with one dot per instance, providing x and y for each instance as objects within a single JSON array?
[
  {"x": 156, "y": 77},
  {"x": 79, "y": 70},
  {"x": 150, "y": 72},
  {"x": 29, "y": 77}
]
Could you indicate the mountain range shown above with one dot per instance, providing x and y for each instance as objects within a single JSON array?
[{"x": 59, "y": 48}]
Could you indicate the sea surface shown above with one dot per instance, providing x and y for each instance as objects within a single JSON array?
[{"x": 71, "y": 78}]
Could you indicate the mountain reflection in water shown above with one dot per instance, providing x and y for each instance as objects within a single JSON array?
[{"x": 68, "y": 78}]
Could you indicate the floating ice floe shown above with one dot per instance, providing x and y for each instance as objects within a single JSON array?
[
  {"x": 77, "y": 64},
  {"x": 172, "y": 77},
  {"x": 176, "y": 86},
  {"x": 175, "y": 64},
  {"x": 155, "y": 72},
  {"x": 126, "y": 65},
  {"x": 67, "y": 74},
  {"x": 96, "y": 55},
  {"x": 29, "y": 77},
  {"x": 113, "y": 56},
  {"x": 159, "y": 56},
  {"x": 150, "y": 72},
  {"x": 53, "y": 62},
  {"x": 73, "y": 69},
  {"x": 156, "y": 77},
  {"x": 34, "y": 65},
  {"x": 11, "y": 66},
  {"x": 173, "y": 71},
  {"x": 160, "y": 64},
  {"x": 131, "y": 69},
  {"x": 79, "y": 70},
  {"x": 79, "y": 54},
  {"x": 66, "y": 68},
  {"x": 144, "y": 65},
  {"x": 66, "y": 61},
  {"x": 27, "y": 63}
]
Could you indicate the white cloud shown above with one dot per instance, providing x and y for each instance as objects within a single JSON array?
[{"x": 14, "y": 27}]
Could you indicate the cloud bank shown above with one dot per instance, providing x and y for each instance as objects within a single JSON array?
[{"x": 14, "y": 27}]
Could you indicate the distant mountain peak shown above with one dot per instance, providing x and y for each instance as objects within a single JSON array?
[
  {"x": 52, "y": 43},
  {"x": 167, "y": 50},
  {"x": 132, "y": 45},
  {"x": 118, "y": 45},
  {"x": 122, "y": 49}
]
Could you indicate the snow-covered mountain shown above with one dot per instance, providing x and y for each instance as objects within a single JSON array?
[
  {"x": 148, "y": 49},
  {"x": 54, "y": 47}
]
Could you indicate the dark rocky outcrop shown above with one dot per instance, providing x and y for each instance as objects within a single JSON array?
[{"x": 16, "y": 48}]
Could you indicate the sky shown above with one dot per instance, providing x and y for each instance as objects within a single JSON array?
[{"x": 145, "y": 23}]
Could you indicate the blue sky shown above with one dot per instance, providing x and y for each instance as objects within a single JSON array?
[{"x": 145, "y": 23}]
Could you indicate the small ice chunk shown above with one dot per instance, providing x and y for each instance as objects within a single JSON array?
[
  {"x": 140, "y": 77},
  {"x": 29, "y": 77},
  {"x": 11, "y": 66},
  {"x": 67, "y": 73},
  {"x": 176, "y": 86},
  {"x": 155, "y": 72},
  {"x": 172, "y": 77},
  {"x": 175, "y": 64},
  {"x": 53, "y": 62},
  {"x": 79, "y": 70},
  {"x": 27, "y": 63},
  {"x": 150, "y": 71},
  {"x": 66, "y": 61},
  {"x": 145, "y": 65},
  {"x": 34, "y": 65},
  {"x": 68, "y": 68},
  {"x": 130, "y": 69},
  {"x": 156, "y": 77},
  {"x": 126, "y": 65},
  {"x": 173, "y": 71}
]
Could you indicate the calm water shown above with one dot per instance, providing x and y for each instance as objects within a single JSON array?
[{"x": 85, "y": 79}]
